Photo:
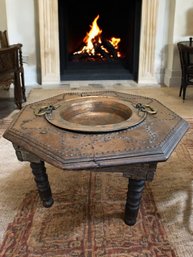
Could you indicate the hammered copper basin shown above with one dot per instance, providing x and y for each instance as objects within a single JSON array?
[{"x": 95, "y": 114}]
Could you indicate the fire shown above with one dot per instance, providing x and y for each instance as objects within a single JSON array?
[
  {"x": 94, "y": 32},
  {"x": 95, "y": 45},
  {"x": 115, "y": 42}
]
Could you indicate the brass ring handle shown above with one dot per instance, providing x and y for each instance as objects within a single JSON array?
[
  {"x": 46, "y": 109},
  {"x": 145, "y": 108}
]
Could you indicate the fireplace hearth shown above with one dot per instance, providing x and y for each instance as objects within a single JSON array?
[{"x": 115, "y": 19}]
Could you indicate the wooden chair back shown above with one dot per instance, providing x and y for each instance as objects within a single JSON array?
[
  {"x": 185, "y": 50},
  {"x": 8, "y": 59},
  {"x": 186, "y": 55},
  {"x": 11, "y": 71}
]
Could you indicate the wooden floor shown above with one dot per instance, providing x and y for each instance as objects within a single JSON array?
[{"x": 7, "y": 104}]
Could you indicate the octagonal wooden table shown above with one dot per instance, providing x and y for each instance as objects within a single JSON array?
[{"x": 134, "y": 150}]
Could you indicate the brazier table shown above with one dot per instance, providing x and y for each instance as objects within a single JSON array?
[{"x": 132, "y": 149}]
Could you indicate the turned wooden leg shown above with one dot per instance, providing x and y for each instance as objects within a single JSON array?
[
  {"x": 184, "y": 91},
  {"x": 181, "y": 88},
  {"x": 41, "y": 179},
  {"x": 135, "y": 189}
]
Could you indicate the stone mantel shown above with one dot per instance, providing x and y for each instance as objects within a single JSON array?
[{"x": 49, "y": 41}]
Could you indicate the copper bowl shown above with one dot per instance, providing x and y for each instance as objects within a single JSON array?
[{"x": 95, "y": 114}]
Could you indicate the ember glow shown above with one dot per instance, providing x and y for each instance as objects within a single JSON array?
[{"x": 96, "y": 45}]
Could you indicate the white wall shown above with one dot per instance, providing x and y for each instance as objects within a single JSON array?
[
  {"x": 180, "y": 29},
  {"x": 21, "y": 29},
  {"x": 183, "y": 27}
]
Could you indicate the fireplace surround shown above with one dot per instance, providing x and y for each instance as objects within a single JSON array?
[{"x": 49, "y": 41}]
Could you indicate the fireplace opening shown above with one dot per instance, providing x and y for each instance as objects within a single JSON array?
[{"x": 99, "y": 41}]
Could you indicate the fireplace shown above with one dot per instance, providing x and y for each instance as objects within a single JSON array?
[
  {"x": 49, "y": 64},
  {"x": 107, "y": 61}
]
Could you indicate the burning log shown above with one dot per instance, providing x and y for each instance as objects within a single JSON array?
[
  {"x": 100, "y": 50},
  {"x": 103, "y": 50},
  {"x": 96, "y": 46},
  {"x": 110, "y": 48}
]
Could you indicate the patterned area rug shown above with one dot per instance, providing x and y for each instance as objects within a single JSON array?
[{"x": 86, "y": 219}]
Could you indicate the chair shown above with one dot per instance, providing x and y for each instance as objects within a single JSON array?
[
  {"x": 4, "y": 43},
  {"x": 11, "y": 71},
  {"x": 186, "y": 60}
]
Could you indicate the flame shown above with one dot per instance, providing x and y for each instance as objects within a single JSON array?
[
  {"x": 93, "y": 37},
  {"x": 115, "y": 42},
  {"x": 94, "y": 32}
]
